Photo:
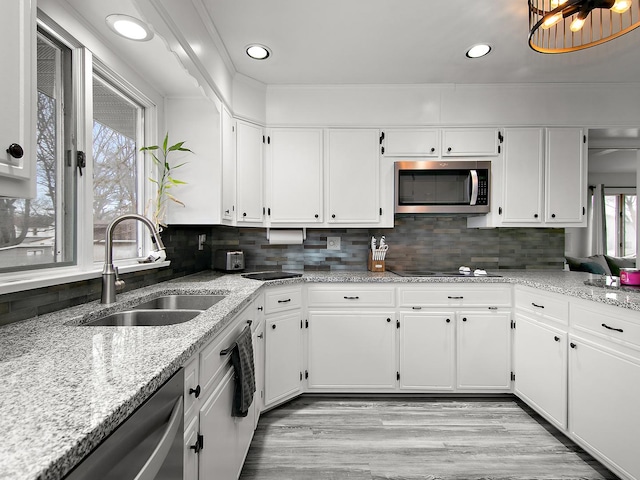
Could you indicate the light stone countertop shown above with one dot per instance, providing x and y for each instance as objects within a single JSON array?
[{"x": 65, "y": 387}]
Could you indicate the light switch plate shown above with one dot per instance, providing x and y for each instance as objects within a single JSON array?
[{"x": 333, "y": 243}]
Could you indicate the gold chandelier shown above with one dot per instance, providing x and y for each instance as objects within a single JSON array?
[{"x": 561, "y": 26}]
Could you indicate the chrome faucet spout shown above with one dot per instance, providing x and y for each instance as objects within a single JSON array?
[{"x": 110, "y": 280}]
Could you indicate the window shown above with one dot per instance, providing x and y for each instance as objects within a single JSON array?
[
  {"x": 64, "y": 225},
  {"x": 37, "y": 233},
  {"x": 621, "y": 217},
  {"x": 116, "y": 177}
]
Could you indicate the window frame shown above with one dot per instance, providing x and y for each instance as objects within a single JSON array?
[
  {"x": 619, "y": 219},
  {"x": 84, "y": 64}
]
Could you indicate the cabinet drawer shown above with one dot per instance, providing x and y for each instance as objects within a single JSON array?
[
  {"x": 542, "y": 304},
  {"x": 356, "y": 295},
  {"x": 455, "y": 295},
  {"x": 281, "y": 299},
  {"x": 607, "y": 323},
  {"x": 211, "y": 362}
]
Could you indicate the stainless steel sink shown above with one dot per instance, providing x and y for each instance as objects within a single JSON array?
[
  {"x": 180, "y": 302},
  {"x": 144, "y": 318}
]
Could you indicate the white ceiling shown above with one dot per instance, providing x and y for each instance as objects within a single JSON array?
[{"x": 405, "y": 42}]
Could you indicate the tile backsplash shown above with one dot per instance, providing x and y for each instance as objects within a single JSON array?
[{"x": 417, "y": 242}]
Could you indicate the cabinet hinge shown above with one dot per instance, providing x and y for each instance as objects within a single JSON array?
[
  {"x": 499, "y": 148},
  {"x": 584, "y": 139},
  {"x": 306, "y": 323},
  {"x": 513, "y": 377},
  {"x": 513, "y": 324},
  {"x": 382, "y": 150},
  {"x": 500, "y": 138},
  {"x": 301, "y": 323},
  {"x": 397, "y": 375},
  {"x": 269, "y": 140},
  {"x": 397, "y": 323},
  {"x": 381, "y": 137},
  {"x": 306, "y": 374},
  {"x": 264, "y": 139},
  {"x": 380, "y": 210},
  {"x": 233, "y": 128},
  {"x": 199, "y": 445},
  {"x": 300, "y": 376}
]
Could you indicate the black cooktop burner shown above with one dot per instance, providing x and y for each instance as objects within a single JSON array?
[
  {"x": 427, "y": 273},
  {"x": 271, "y": 275}
]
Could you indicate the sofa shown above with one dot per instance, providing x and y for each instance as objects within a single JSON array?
[{"x": 600, "y": 264}]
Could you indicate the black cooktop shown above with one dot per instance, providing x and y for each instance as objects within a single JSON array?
[
  {"x": 427, "y": 273},
  {"x": 271, "y": 275}
]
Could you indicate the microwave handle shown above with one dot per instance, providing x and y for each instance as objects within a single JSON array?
[{"x": 474, "y": 187}]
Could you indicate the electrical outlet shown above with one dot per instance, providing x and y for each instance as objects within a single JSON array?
[
  {"x": 333, "y": 243},
  {"x": 201, "y": 239}
]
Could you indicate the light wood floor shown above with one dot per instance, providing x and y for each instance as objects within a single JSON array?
[{"x": 319, "y": 438}]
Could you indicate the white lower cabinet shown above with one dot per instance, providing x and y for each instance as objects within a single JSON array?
[
  {"x": 540, "y": 362},
  {"x": 219, "y": 457},
  {"x": 427, "y": 351},
  {"x": 483, "y": 351},
  {"x": 604, "y": 388},
  {"x": 215, "y": 442},
  {"x": 283, "y": 357},
  {"x": 351, "y": 350}
]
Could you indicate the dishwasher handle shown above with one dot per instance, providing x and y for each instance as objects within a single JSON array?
[{"x": 154, "y": 463}]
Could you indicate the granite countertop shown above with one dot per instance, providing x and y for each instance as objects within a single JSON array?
[{"x": 65, "y": 387}]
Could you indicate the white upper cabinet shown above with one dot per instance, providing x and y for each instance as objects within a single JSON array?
[
  {"x": 566, "y": 176},
  {"x": 353, "y": 176},
  {"x": 249, "y": 147},
  {"x": 17, "y": 92},
  {"x": 294, "y": 175},
  {"x": 541, "y": 181},
  {"x": 469, "y": 142},
  {"x": 523, "y": 176},
  {"x": 228, "y": 167},
  {"x": 411, "y": 142}
]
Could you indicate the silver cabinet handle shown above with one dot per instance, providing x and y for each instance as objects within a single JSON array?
[{"x": 154, "y": 463}]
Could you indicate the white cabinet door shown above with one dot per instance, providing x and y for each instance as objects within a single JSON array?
[
  {"x": 353, "y": 176},
  {"x": 540, "y": 357},
  {"x": 411, "y": 142},
  {"x": 17, "y": 98},
  {"x": 484, "y": 351},
  {"x": 523, "y": 176},
  {"x": 258, "y": 359},
  {"x": 283, "y": 357},
  {"x": 469, "y": 142},
  {"x": 219, "y": 457},
  {"x": 427, "y": 351},
  {"x": 228, "y": 167},
  {"x": 352, "y": 350},
  {"x": 294, "y": 185},
  {"x": 249, "y": 140},
  {"x": 565, "y": 176},
  {"x": 604, "y": 388},
  {"x": 190, "y": 455}
]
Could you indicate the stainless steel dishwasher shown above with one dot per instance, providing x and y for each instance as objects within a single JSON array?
[{"x": 147, "y": 446}]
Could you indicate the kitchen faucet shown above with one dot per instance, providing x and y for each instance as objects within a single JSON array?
[{"x": 110, "y": 279}]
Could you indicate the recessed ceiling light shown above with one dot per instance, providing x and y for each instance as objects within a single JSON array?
[
  {"x": 129, "y": 27},
  {"x": 258, "y": 52},
  {"x": 479, "y": 50}
]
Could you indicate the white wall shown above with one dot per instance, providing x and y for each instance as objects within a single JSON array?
[{"x": 499, "y": 105}]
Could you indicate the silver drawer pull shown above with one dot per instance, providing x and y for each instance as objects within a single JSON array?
[
  {"x": 351, "y": 298},
  {"x": 284, "y": 301},
  {"x": 612, "y": 328},
  {"x": 536, "y": 305},
  {"x": 454, "y": 298}
]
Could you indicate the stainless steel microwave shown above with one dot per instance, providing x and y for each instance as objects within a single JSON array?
[{"x": 443, "y": 187}]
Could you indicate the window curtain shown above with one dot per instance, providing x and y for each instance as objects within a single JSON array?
[{"x": 597, "y": 227}]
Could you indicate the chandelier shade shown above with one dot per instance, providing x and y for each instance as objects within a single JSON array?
[{"x": 561, "y": 26}]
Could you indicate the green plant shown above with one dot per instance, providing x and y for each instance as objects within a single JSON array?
[{"x": 165, "y": 180}]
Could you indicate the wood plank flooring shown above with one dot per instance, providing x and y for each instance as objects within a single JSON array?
[{"x": 320, "y": 438}]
